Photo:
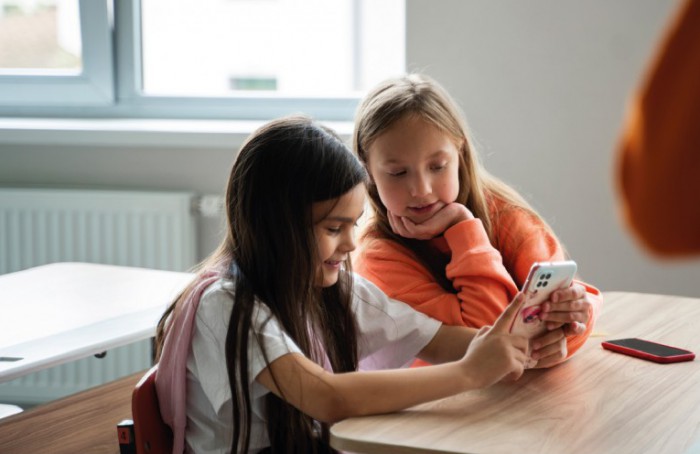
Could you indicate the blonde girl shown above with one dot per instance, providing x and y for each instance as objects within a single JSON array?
[{"x": 447, "y": 237}]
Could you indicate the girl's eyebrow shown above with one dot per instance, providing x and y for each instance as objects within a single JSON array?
[
  {"x": 344, "y": 218},
  {"x": 431, "y": 156},
  {"x": 339, "y": 219}
]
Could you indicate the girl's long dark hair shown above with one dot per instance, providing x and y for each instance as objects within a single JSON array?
[{"x": 271, "y": 255}]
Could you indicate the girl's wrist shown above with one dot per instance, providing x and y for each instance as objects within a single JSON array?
[
  {"x": 462, "y": 214},
  {"x": 469, "y": 376},
  {"x": 474, "y": 379}
]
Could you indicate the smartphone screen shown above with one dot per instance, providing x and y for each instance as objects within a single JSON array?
[{"x": 649, "y": 350}]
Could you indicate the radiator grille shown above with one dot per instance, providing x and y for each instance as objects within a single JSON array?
[{"x": 145, "y": 229}]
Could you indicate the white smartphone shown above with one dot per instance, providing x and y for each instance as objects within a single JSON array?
[{"x": 543, "y": 279}]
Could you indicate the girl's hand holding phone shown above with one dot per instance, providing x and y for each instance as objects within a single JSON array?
[
  {"x": 569, "y": 308},
  {"x": 494, "y": 354},
  {"x": 566, "y": 312},
  {"x": 549, "y": 349},
  {"x": 443, "y": 219}
]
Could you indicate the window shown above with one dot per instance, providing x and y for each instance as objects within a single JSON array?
[
  {"x": 233, "y": 59},
  {"x": 55, "y": 53}
]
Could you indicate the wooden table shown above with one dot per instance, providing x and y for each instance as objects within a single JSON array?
[
  {"x": 597, "y": 402},
  {"x": 61, "y": 312},
  {"x": 82, "y": 423}
]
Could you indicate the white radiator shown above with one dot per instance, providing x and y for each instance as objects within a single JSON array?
[{"x": 144, "y": 229}]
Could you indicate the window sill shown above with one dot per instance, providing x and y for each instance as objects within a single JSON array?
[{"x": 136, "y": 132}]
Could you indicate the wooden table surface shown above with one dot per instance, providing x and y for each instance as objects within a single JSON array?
[
  {"x": 82, "y": 423},
  {"x": 596, "y": 402}
]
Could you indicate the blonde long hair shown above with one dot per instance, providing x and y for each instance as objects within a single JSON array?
[{"x": 419, "y": 95}]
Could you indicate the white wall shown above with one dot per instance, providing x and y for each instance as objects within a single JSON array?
[{"x": 544, "y": 84}]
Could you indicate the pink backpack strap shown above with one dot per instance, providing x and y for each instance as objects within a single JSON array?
[{"x": 172, "y": 367}]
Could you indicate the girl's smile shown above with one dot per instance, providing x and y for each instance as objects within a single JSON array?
[
  {"x": 334, "y": 228},
  {"x": 334, "y": 265},
  {"x": 425, "y": 210}
]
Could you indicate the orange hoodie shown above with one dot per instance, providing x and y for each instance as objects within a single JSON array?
[
  {"x": 659, "y": 153},
  {"x": 485, "y": 280}
]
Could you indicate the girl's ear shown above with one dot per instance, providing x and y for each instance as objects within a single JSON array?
[
  {"x": 369, "y": 172},
  {"x": 465, "y": 152},
  {"x": 463, "y": 145}
]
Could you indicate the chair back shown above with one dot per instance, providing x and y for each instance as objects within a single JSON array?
[{"x": 152, "y": 435}]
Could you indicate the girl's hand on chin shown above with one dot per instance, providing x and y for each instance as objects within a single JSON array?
[{"x": 443, "y": 219}]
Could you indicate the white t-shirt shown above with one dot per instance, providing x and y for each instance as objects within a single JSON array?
[{"x": 390, "y": 335}]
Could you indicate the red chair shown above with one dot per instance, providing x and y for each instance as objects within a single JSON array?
[{"x": 152, "y": 435}]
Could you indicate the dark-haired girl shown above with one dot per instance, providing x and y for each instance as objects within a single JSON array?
[{"x": 276, "y": 338}]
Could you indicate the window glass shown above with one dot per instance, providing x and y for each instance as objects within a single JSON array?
[
  {"x": 40, "y": 37},
  {"x": 296, "y": 48}
]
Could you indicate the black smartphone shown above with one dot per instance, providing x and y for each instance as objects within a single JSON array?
[{"x": 651, "y": 351}]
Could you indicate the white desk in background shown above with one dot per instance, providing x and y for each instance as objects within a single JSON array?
[{"x": 56, "y": 313}]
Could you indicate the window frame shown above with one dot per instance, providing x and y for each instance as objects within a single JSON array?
[
  {"x": 119, "y": 75},
  {"x": 93, "y": 86}
]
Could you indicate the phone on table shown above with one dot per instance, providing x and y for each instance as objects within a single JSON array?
[
  {"x": 651, "y": 351},
  {"x": 541, "y": 281}
]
